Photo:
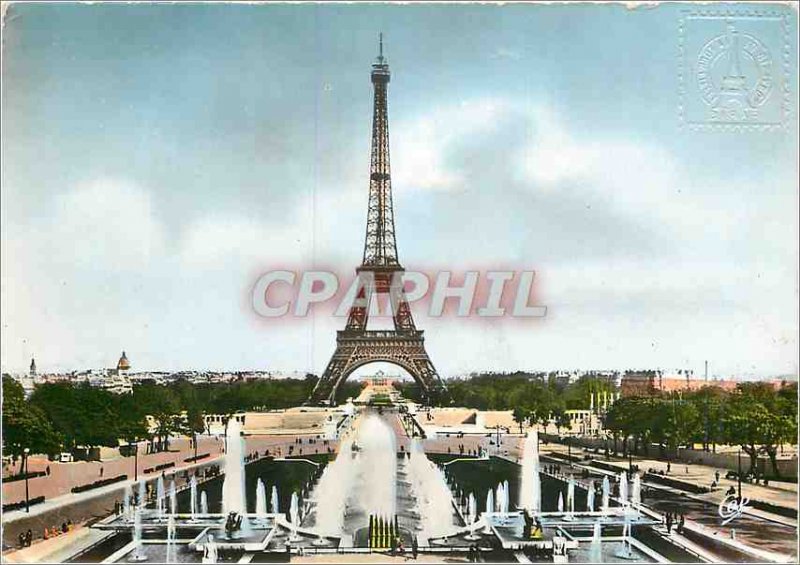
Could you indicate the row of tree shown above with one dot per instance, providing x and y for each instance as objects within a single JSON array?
[
  {"x": 756, "y": 416},
  {"x": 65, "y": 416},
  {"x": 534, "y": 398}
]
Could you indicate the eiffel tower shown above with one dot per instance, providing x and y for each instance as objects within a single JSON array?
[{"x": 379, "y": 274}]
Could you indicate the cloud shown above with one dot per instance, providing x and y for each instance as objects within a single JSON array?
[{"x": 108, "y": 223}]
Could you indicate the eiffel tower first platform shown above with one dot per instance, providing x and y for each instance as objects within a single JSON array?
[{"x": 379, "y": 274}]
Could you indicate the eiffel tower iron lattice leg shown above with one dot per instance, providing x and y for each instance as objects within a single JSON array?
[{"x": 379, "y": 274}]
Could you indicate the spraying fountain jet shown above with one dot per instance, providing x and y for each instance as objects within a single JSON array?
[
  {"x": 160, "y": 496},
  {"x": 233, "y": 494},
  {"x": 626, "y": 551},
  {"x": 623, "y": 490},
  {"x": 530, "y": 493},
  {"x": 173, "y": 498},
  {"x": 193, "y": 498},
  {"x": 203, "y": 503},
  {"x": 171, "y": 557},
  {"x": 294, "y": 517},
  {"x": 142, "y": 494},
  {"x": 489, "y": 508},
  {"x": 274, "y": 500},
  {"x": 570, "y": 499},
  {"x": 473, "y": 518},
  {"x": 636, "y": 492},
  {"x": 606, "y": 495},
  {"x": 261, "y": 500},
  {"x": 595, "y": 546},
  {"x": 138, "y": 554},
  {"x": 590, "y": 497},
  {"x": 126, "y": 502}
]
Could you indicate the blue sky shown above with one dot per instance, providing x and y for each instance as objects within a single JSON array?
[{"x": 157, "y": 158}]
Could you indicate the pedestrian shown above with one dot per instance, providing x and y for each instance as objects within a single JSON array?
[
  {"x": 669, "y": 522},
  {"x": 47, "y": 470},
  {"x": 669, "y": 467},
  {"x": 29, "y": 537},
  {"x": 21, "y": 539},
  {"x": 414, "y": 547},
  {"x": 64, "y": 529},
  {"x": 681, "y": 523},
  {"x": 716, "y": 475},
  {"x": 101, "y": 471},
  {"x": 69, "y": 524}
]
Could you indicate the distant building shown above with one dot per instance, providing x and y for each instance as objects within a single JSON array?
[
  {"x": 32, "y": 371},
  {"x": 651, "y": 383}
]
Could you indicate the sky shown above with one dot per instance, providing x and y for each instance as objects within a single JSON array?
[{"x": 158, "y": 158}]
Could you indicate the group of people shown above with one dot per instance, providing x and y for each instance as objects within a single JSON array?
[
  {"x": 399, "y": 547},
  {"x": 673, "y": 518},
  {"x": 462, "y": 451},
  {"x": 25, "y": 539},
  {"x": 474, "y": 555}
]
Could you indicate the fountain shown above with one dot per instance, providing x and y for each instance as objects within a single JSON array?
[
  {"x": 330, "y": 495},
  {"x": 623, "y": 489},
  {"x": 294, "y": 517},
  {"x": 193, "y": 498},
  {"x": 473, "y": 518},
  {"x": 173, "y": 498},
  {"x": 160, "y": 495},
  {"x": 570, "y": 499},
  {"x": 203, "y": 503},
  {"x": 261, "y": 500},
  {"x": 530, "y": 494},
  {"x": 142, "y": 494},
  {"x": 489, "y": 508},
  {"x": 626, "y": 550},
  {"x": 595, "y": 546},
  {"x": 377, "y": 463},
  {"x": 590, "y": 497},
  {"x": 606, "y": 495},
  {"x": 138, "y": 554},
  {"x": 233, "y": 494},
  {"x": 126, "y": 502},
  {"x": 561, "y": 502},
  {"x": 636, "y": 491},
  {"x": 275, "y": 506},
  {"x": 431, "y": 493},
  {"x": 171, "y": 557}
]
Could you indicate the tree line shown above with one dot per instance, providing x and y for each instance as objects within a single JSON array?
[
  {"x": 535, "y": 398},
  {"x": 65, "y": 416},
  {"x": 755, "y": 416}
]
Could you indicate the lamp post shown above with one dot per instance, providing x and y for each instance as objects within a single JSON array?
[
  {"x": 25, "y": 453},
  {"x": 739, "y": 477}
]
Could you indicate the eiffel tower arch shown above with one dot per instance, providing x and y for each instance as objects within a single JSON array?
[{"x": 378, "y": 274}]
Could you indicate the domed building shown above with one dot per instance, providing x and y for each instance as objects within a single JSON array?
[{"x": 123, "y": 364}]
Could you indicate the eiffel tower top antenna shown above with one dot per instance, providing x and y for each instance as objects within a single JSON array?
[{"x": 380, "y": 43}]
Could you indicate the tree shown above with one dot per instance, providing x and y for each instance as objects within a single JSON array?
[
  {"x": 561, "y": 419},
  {"x": 520, "y": 415},
  {"x": 746, "y": 423},
  {"x": 25, "y": 426}
]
